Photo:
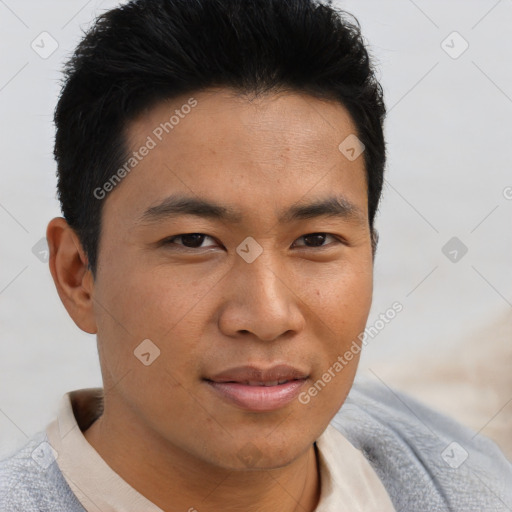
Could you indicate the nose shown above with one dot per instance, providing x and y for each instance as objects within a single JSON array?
[{"x": 260, "y": 300}]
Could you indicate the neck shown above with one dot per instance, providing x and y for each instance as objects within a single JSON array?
[{"x": 174, "y": 481}]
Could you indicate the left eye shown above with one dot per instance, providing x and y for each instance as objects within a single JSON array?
[
  {"x": 316, "y": 239},
  {"x": 195, "y": 240}
]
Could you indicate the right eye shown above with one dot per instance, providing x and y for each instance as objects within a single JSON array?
[{"x": 187, "y": 240}]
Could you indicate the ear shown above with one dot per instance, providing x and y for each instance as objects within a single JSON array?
[
  {"x": 71, "y": 275},
  {"x": 375, "y": 241}
]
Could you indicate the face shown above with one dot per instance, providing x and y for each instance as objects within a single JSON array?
[{"x": 235, "y": 255}]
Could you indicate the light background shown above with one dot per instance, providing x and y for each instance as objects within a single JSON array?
[{"x": 449, "y": 136}]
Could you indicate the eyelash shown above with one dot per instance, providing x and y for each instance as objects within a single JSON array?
[{"x": 170, "y": 240}]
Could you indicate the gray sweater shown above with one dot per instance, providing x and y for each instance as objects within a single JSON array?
[{"x": 426, "y": 461}]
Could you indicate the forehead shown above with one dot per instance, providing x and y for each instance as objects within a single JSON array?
[
  {"x": 279, "y": 120},
  {"x": 255, "y": 152}
]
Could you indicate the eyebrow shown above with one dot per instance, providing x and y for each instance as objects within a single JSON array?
[{"x": 179, "y": 205}]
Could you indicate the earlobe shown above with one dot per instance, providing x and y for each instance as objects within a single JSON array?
[{"x": 72, "y": 278}]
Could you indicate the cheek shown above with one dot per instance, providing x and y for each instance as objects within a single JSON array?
[
  {"x": 151, "y": 304},
  {"x": 342, "y": 304},
  {"x": 343, "y": 300},
  {"x": 343, "y": 307},
  {"x": 166, "y": 308}
]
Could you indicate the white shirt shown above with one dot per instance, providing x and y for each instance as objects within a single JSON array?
[{"x": 348, "y": 481}]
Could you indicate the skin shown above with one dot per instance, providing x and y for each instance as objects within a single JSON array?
[{"x": 208, "y": 310}]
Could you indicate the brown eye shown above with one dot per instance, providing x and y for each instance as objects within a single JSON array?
[
  {"x": 188, "y": 240},
  {"x": 315, "y": 239}
]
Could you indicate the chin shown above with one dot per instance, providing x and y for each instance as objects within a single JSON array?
[{"x": 257, "y": 455}]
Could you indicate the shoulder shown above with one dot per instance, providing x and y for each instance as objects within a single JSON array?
[
  {"x": 31, "y": 481},
  {"x": 425, "y": 460}
]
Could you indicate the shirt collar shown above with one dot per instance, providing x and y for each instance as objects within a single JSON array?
[{"x": 348, "y": 482}]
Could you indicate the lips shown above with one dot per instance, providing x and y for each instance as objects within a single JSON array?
[
  {"x": 256, "y": 389},
  {"x": 254, "y": 376},
  {"x": 266, "y": 383}
]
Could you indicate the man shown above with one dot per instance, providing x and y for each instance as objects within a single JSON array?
[{"x": 220, "y": 164}]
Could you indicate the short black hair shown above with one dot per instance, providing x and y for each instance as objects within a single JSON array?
[{"x": 147, "y": 51}]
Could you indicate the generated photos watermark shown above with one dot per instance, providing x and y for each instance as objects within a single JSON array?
[
  {"x": 344, "y": 359},
  {"x": 151, "y": 143}
]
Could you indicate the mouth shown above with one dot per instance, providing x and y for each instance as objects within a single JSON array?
[
  {"x": 258, "y": 390},
  {"x": 256, "y": 383}
]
